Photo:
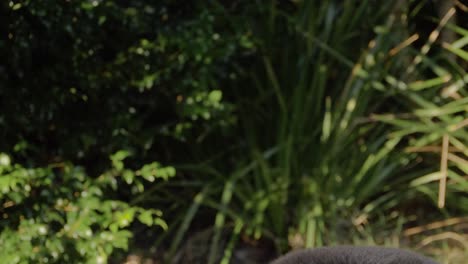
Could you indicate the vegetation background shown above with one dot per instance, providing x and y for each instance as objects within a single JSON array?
[{"x": 231, "y": 131}]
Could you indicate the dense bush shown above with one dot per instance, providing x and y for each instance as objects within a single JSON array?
[
  {"x": 83, "y": 81},
  {"x": 282, "y": 119},
  {"x": 123, "y": 72},
  {"x": 59, "y": 214}
]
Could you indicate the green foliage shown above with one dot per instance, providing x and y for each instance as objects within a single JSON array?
[
  {"x": 437, "y": 109},
  {"x": 302, "y": 126},
  {"x": 127, "y": 74},
  {"x": 315, "y": 163},
  {"x": 58, "y": 214},
  {"x": 83, "y": 80},
  {"x": 282, "y": 118}
]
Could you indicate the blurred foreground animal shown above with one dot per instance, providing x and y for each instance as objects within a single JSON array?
[{"x": 353, "y": 255}]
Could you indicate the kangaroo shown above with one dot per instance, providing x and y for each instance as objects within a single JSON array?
[{"x": 353, "y": 255}]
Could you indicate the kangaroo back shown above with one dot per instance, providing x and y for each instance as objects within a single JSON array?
[{"x": 353, "y": 255}]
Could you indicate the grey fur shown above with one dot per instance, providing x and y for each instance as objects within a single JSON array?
[{"x": 353, "y": 255}]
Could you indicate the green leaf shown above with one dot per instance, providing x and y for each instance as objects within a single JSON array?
[
  {"x": 146, "y": 218},
  {"x": 160, "y": 222},
  {"x": 118, "y": 157},
  {"x": 4, "y": 160},
  {"x": 457, "y": 51},
  {"x": 215, "y": 96},
  {"x": 128, "y": 176},
  {"x": 125, "y": 218}
]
